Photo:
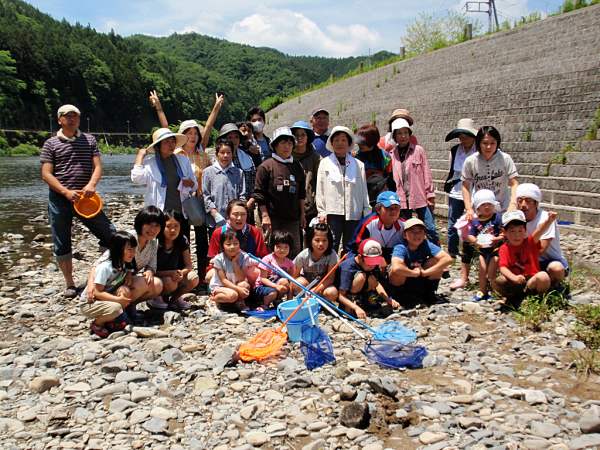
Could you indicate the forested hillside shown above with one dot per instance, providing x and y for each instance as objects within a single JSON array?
[{"x": 44, "y": 63}]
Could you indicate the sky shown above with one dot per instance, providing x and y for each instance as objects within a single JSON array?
[{"x": 297, "y": 27}]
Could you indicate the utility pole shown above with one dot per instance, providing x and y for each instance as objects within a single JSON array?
[{"x": 488, "y": 7}]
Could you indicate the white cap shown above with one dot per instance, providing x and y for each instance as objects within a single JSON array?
[
  {"x": 400, "y": 123},
  {"x": 513, "y": 216},
  {"x": 484, "y": 196},
  {"x": 529, "y": 190},
  {"x": 66, "y": 109}
]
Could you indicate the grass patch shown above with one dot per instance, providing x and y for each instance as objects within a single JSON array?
[
  {"x": 592, "y": 131},
  {"x": 21, "y": 150},
  {"x": 587, "y": 327},
  {"x": 561, "y": 156},
  {"x": 537, "y": 309},
  {"x": 587, "y": 362}
]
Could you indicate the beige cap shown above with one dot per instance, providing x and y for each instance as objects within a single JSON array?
[{"x": 66, "y": 109}]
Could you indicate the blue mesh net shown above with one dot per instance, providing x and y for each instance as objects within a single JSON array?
[
  {"x": 394, "y": 355},
  {"x": 395, "y": 332},
  {"x": 316, "y": 347},
  {"x": 266, "y": 314}
]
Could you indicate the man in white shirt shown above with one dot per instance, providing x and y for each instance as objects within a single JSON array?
[{"x": 552, "y": 260}]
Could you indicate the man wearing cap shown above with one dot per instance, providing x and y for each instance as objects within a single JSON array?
[
  {"x": 417, "y": 265},
  {"x": 465, "y": 131},
  {"x": 552, "y": 259},
  {"x": 383, "y": 225},
  {"x": 72, "y": 168},
  {"x": 520, "y": 272},
  {"x": 319, "y": 121},
  {"x": 360, "y": 282}
]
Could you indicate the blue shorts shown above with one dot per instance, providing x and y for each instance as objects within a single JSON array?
[
  {"x": 544, "y": 263},
  {"x": 261, "y": 292}
]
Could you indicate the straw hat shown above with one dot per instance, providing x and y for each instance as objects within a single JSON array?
[
  {"x": 400, "y": 113},
  {"x": 88, "y": 207},
  {"x": 464, "y": 126},
  {"x": 164, "y": 133}
]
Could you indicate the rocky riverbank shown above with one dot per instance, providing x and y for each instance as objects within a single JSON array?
[{"x": 487, "y": 382}]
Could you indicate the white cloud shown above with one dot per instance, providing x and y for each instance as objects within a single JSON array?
[{"x": 294, "y": 33}]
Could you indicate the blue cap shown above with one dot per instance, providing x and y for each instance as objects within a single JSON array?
[
  {"x": 306, "y": 127},
  {"x": 388, "y": 198}
]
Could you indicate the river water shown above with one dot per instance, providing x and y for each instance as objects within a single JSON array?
[{"x": 24, "y": 196}]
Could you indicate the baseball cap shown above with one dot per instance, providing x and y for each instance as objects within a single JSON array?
[
  {"x": 371, "y": 252},
  {"x": 513, "y": 216},
  {"x": 388, "y": 198},
  {"x": 413, "y": 223},
  {"x": 66, "y": 109},
  {"x": 317, "y": 111}
]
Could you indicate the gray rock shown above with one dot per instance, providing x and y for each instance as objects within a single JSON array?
[
  {"x": 355, "y": 415},
  {"x": 315, "y": 445},
  {"x": 544, "y": 429},
  {"x": 222, "y": 359},
  {"x": 590, "y": 420},
  {"x": 171, "y": 317},
  {"x": 131, "y": 376},
  {"x": 348, "y": 393},
  {"x": 585, "y": 441},
  {"x": 384, "y": 386},
  {"x": 156, "y": 425},
  {"x": 534, "y": 397},
  {"x": 120, "y": 405},
  {"x": 172, "y": 355},
  {"x": 10, "y": 426}
]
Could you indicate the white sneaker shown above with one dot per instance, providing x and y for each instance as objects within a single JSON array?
[{"x": 157, "y": 303}]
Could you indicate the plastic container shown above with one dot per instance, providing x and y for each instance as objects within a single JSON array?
[
  {"x": 300, "y": 319},
  {"x": 88, "y": 207}
]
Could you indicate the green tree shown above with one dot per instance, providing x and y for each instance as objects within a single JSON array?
[{"x": 10, "y": 85}]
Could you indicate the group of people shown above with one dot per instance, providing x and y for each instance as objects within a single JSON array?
[{"x": 300, "y": 204}]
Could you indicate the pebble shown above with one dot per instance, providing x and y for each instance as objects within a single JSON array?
[
  {"x": 43, "y": 383},
  {"x": 431, "y": 438},
  {"x": 544, "y": 429},
  {"x": 534, "y": 397},
  {"x": 257, "y": 438},
  {"x": 156, "y": 425}
]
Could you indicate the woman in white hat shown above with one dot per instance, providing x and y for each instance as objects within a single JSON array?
[
  {"x": 342, "y": 197},
  {"x": 280, "y": 189},
  {"x": 195, "y": 150},
  {"x": 465, "y": 132},
  {"x": 412, "y": 175},
  {"x": 169, "y": 178}
]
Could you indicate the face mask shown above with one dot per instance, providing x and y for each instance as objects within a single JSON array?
[{"x": 258, "y": 126}]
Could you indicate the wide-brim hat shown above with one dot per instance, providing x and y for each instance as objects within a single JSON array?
[
  {"x": 228, "y": 128},
  {"x": 400, "y": 113},
  {"x": 88, "y": 207},
  {"x": 280, "y": 133},
  {"x": 164, "y": 133},
  {"x": 302, "y": 125},
  {"x": 464, "y": 126},
  {"x": 187, "y": 124},
  {"x": 340, "y": 129}
]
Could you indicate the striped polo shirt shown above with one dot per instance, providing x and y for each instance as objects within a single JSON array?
[{"x": 72, "y": 160}]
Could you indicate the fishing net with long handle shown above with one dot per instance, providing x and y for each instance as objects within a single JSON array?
[
  {"x": 393, "y": 355},
  {"x": 267, "y": 343}
]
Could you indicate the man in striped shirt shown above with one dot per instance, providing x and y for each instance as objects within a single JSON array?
[{"x": 72, "y": 168}]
